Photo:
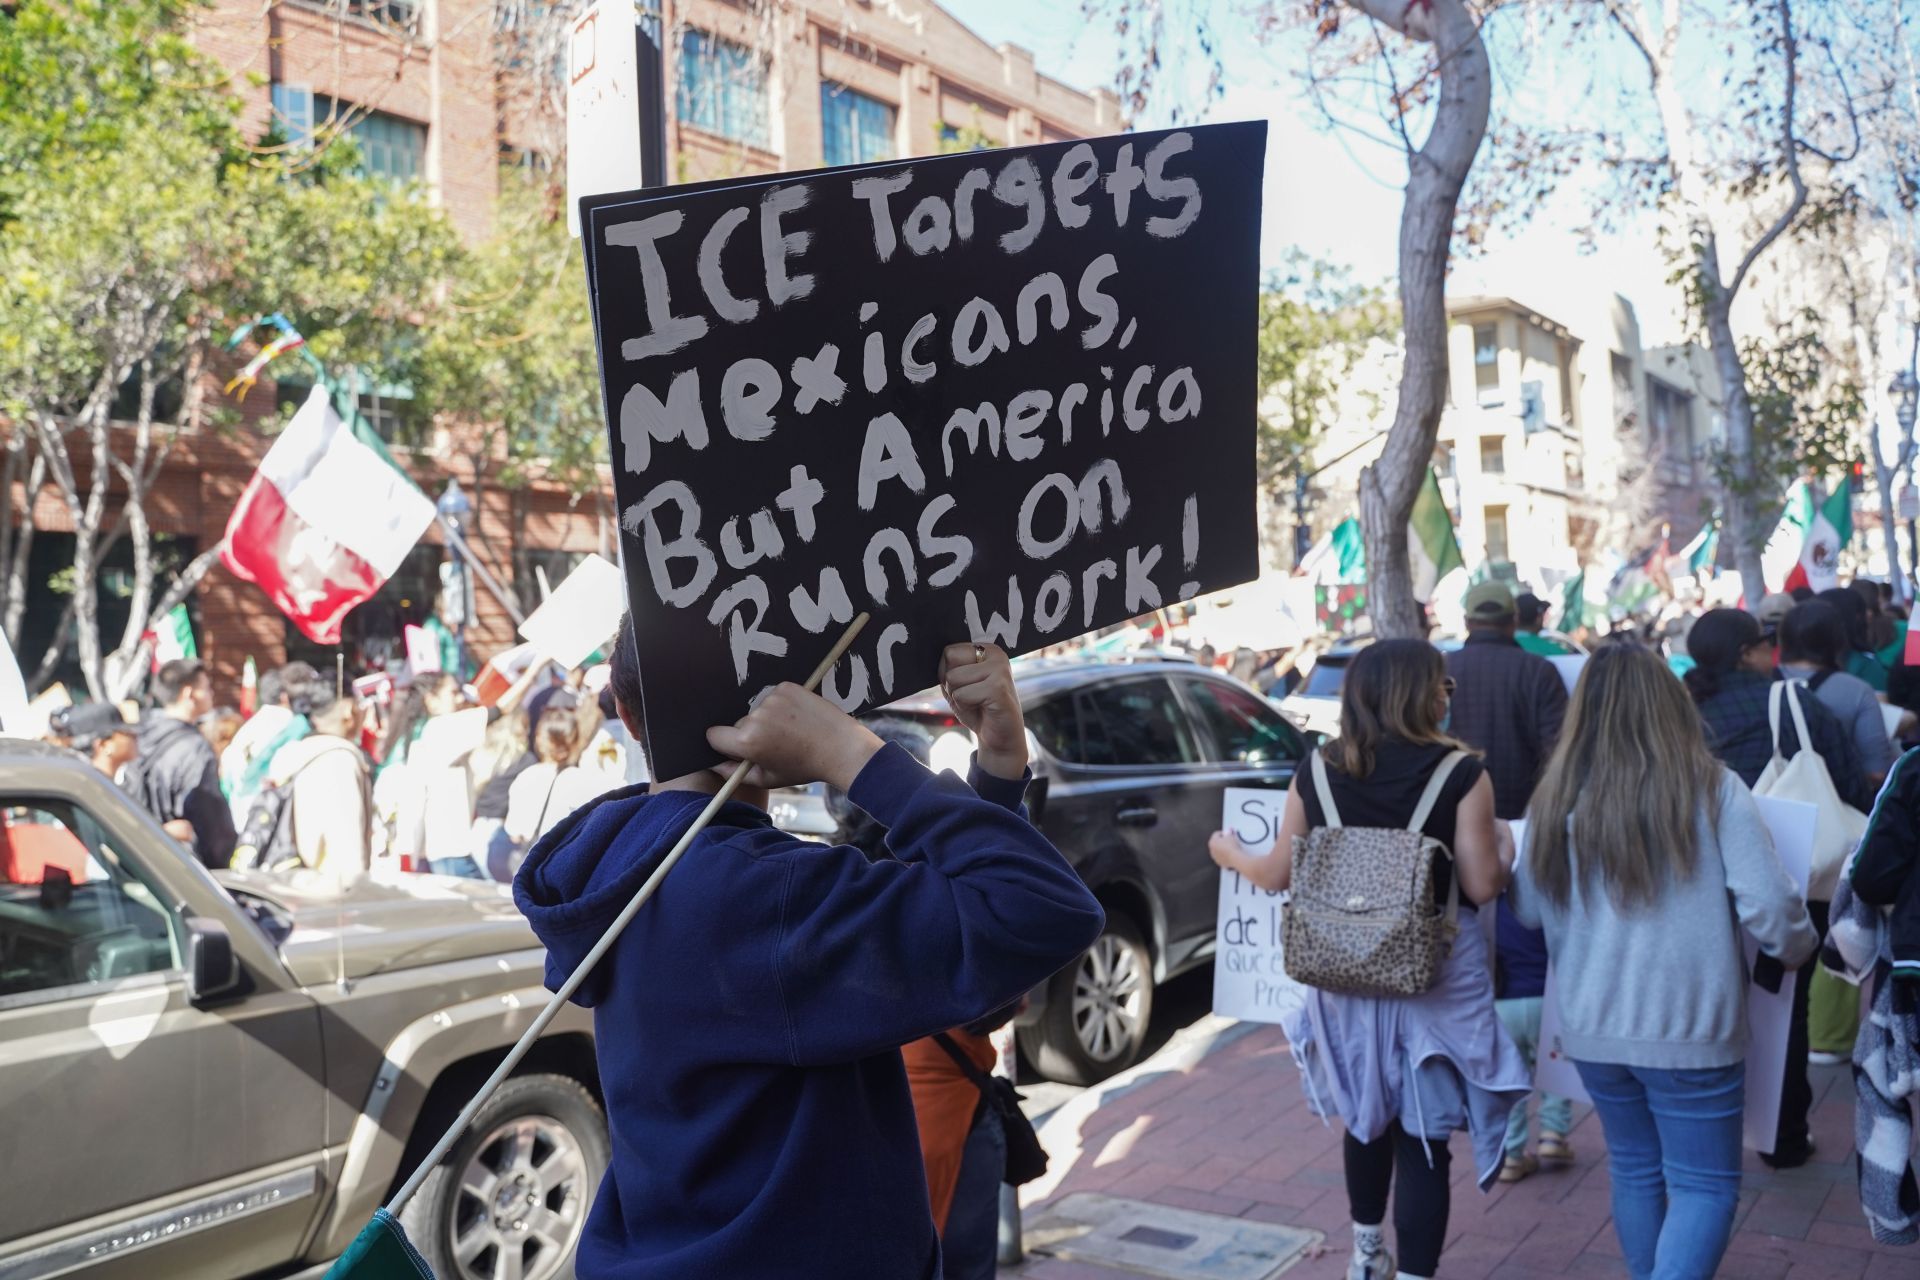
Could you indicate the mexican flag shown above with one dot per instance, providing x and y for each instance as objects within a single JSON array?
[
  {"x": 326, "y": 519},
  {"x": 1433, "y": 551},
  {"x": 1339, "y": 556},
  {"x": 172, "y": 637},
  {"x": 1804, "y": 550},
  {"x": 1573, "y": 602},
  {"x": 1699, "y": 554}
]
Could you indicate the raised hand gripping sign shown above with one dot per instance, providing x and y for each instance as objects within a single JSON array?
[{"x": 1003, "y": 396}]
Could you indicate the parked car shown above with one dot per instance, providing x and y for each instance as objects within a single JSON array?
[
  {"x": 222, "y": 1077},
  {"x": 1131, "y": 761}
]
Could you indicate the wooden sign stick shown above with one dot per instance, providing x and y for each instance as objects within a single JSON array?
[{"x": 600, "y": 948}]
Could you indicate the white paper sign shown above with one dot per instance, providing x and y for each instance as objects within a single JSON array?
[
  {"x": 1249, "y": 979},
  {"x": 580, "y": 615},
  {"x": 1769, "y": 1013}
]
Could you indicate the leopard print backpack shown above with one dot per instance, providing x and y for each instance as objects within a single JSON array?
[{"x": 1361, "y": 920}]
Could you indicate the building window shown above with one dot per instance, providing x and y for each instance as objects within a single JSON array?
[
  {"x": 722, "y": 89},
  {"x": 955, "y": 138},
  {"x": 403, "y": 15},
  {"x": 1493, "y": 455},
  {"x": 854, "y": 128},
  {"x": 1567, "y": 415},
  {"x": 390, "y": 146},
  {"x": 1671, "y": 411},
  {"x": 389, "y": 408},
  {"x": 1443, "y": 461},
  {"x": 1497, "y": 534},
  {"x": 1486, "y": 357}
]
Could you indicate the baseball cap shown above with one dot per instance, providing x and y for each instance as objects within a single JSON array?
[
  {"x": 1489, "y": 602},
  {"x": 88, "y": 724}
]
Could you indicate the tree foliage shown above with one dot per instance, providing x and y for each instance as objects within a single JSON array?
[
  {"x": 1316, "y": 326},
  {"x": 137, "y": 225}
]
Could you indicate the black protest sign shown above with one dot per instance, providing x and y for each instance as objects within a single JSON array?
[{"x": 1002, "y": 396}]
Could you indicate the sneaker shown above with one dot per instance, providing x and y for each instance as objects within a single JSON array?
[
  {"x": 1790, "y": 1156},
  {"x": 1821, "y": 1058},
  {"x": 1375, "y": 1266},
  {"x": 1555, "y": 1150},
  {"x": 1518, "y": 1166}
]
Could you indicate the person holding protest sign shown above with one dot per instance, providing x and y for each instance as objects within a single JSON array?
[
  {"x": 1404, "y": 1073},
  {"x": 782, "y": 1140},
  {"x": 1644, "y": 857}
]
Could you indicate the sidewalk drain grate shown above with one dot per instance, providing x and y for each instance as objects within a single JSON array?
[{"x": 1154, "y": 1240}]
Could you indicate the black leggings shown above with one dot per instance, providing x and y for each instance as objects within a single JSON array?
[{"x": 1421, "y": 1198}]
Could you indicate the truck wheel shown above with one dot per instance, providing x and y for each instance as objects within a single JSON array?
[
  {"x": 1098, "y": 1008},
  {"x": 512, "y": 1197}
]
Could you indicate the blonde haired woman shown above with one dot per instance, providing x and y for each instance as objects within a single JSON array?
[
  {"x": 1644, "y": 857},
  {"x": 1404, "y": 1073}
]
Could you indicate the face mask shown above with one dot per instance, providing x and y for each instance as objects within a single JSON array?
[{"x": 1446, "y": 717}]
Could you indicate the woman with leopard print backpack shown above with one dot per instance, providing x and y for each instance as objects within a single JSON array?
[{"x": 1403, "y": 1072}]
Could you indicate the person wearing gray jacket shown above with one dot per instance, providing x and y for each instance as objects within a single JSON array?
[{"x": 1644, "y": 859}]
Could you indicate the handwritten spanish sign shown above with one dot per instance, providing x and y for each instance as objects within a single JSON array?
[
  {"x": 1250, "y": 980},
  {"x": 1002, "y": 396}
]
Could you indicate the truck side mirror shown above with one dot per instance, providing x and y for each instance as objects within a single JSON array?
[{"x": 212, "y": 971}]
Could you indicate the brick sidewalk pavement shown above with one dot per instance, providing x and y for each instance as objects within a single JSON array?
[{"x": 1230, "y": 1133}]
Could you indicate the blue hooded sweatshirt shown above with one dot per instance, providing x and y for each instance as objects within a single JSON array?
[{"x": 749, "y": 1020}]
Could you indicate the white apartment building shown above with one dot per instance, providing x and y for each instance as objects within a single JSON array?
[{"x": 1563, "y": 438}]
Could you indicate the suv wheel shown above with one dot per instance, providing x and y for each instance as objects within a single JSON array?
[
  {"x": 512, "y": 1197},
  {"x": 1098, "y": 1008}
]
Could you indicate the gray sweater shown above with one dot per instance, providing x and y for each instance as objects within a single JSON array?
[{"x": 1666, "y": 985}]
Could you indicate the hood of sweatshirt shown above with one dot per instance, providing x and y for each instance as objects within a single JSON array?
[
  {"x": 158, "y": 732},
  {"x": 582, "y": 874}
]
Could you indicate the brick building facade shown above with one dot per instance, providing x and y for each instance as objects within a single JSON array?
[{"x": 752, "y": 87}]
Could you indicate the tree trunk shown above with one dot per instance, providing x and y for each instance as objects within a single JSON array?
[
  {"x": 1436, "y": 174},
  {"x": 1884, "y": 478},
  {"x": 1741, "y": 495},
  {"x": 20, "y": 542},
  {"x": 134, "y": 511}
]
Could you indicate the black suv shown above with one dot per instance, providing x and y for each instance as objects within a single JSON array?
[{"x": 1133, "y": 759}]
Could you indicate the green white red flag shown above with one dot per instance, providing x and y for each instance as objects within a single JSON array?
[
  {"x": 326, "y": 519},
  {"x": 1804, "y": 550}
]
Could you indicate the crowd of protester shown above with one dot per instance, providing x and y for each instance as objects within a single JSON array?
[
  {"x": 423, "y": 777},
  {"x": 1644, "y": 856}
]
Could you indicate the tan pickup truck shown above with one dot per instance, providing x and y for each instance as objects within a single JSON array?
[{"x": 223, "y": 1076}]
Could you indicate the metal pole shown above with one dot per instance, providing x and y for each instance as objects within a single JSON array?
[
  {"x": 1012, "y": 1244},
  {"x": 651, "y": 37}
]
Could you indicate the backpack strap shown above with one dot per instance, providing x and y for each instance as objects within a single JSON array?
[
  {"x": 1324, "y": 792},
  {"x": 981, "y": 1080},
  {"x": 1431, "y": 796},
  {"x": 1787, "y": 689}
]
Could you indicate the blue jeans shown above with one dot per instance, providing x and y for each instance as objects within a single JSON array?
[
  {"x": 971, "y": 1243},
  {"x": 1673, "y": 1149},
  {"x": 1521, "y": 1017},
  {"x": 461, "y": 865}
]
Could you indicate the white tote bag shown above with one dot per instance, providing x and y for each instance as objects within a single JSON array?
[{"x": 1805, "y": 779}]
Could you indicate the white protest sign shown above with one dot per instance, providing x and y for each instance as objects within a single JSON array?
[
  {"x": 1769, "y": 1013},
  {"x": 1249, "y": 980},
  {"x": 581, "y": 614},
  {"x": 1569, "y": 665},
  {"x": 603, "y": 105},
  {"x": 13, "y": 693},
  {"x": 423, "y": 651}
]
